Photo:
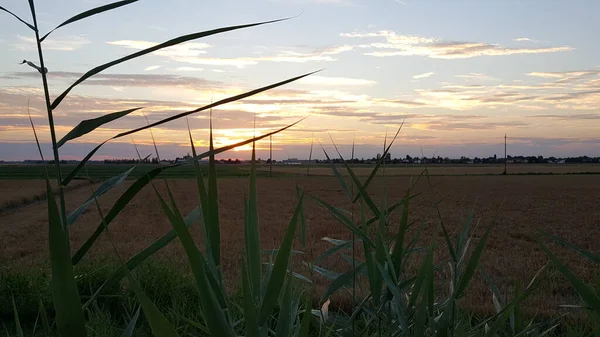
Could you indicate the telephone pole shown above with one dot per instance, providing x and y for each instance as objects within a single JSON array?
[{"x": 505, "y": 158}]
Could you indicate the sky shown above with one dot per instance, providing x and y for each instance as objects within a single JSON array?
[{"x": 459, "y": 74}]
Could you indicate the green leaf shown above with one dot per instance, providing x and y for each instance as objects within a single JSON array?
[
  {"x": 214, "y": 312},
  {"x": 587, "y": 294},
  {"x": 339, "y": 245},
  {"x": 250, "y": 309},
  {"x": 378, "y": 164},
  {"x": 142, "y": 256},
  {"x": 398, "y": 254},
  {"x": 166, "y": 44},
  {"x": 213, "y": 233},
  {"x": 361, "y": 190},
  {"x": 284, "y": 320},
  {"x": 67, "y": 303},
  {"x": 118, "y": 206},
  {"x": 337, "y": 174},
  {"x": 251, "y": 232},
  {"x": 17, "y": 321},
  {"x": 322, "y": 271},
  {"x": 306, "y": 319},
  {"x": 89, "y": 13},
  {"x": 131, "y": 325},
  {"x": 447, "y": 236},
  {"x": 161, "y": 327},
  {"x": 342, "y": 281},
  {"x": 18, "y": 18},
  {"x": 472, "y": 265},
  {"x": 105, "y": 187},
  {"x": 201, "y": 156},
  {"x": 89, "y": 125},
  {"x": 280, "y": 268},
  {"x": 202, "y": 192},
  {"x": 586, "y": 254},
  {"x": 303, "y": 229},
  {"x": 344, "y": 220},
  {"x": 44, "y": 316},
  {"x": 423, "y": 272}
]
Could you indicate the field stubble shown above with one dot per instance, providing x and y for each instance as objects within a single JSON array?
[{"x": 562, "y": 205}]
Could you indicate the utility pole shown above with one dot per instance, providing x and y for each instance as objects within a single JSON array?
[
  {"x": 270, "y": 155},
  {"x": 505, "y": 158}
]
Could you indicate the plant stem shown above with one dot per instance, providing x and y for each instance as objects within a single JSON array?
[{"x": 63, "y": 212}]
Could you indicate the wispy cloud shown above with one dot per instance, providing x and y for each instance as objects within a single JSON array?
[
  {"x": 523, "y": 39},
  {"x": 188, "y": 69},
  {"x": 335, "y": 81},
  {"x": 150, "y": 68},
  {"x": 411, "y": 45},
  {"x": 191, "y": 53},
  {"x": 477, "y": 77},
  {"x": 67, "y": 43},
  {"x": 424, "y": 75},
  {"x": 190, "y": 49}
]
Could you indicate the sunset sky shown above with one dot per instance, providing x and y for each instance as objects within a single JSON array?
[{"x": 462, "y": 73}]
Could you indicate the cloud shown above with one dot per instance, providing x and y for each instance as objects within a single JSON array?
[
  {"x": 189, "y": 49},
  {"x": 150, "y": 68},
  {"x": 191, "y": 52},
  {"x": 122, "y": 80},
  {"x": 477, "y": 76},
  {"x": 411, "y": 45},
  {"x": 335, "y": 81},
  {"x": 583, "y": 117},
  {"x": 188, "y": 69},
  {"x": 424, "y": 75},
  {"x": 523, "y": 39},
  {"x": 67, "y": 43}
]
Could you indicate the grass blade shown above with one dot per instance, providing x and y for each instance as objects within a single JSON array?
[
  {"x": 159, "y": 324},
  {"x": 280, "y": 268},
  {"x": 586, "y": 254},
  {"x": 105, "y": 187},
  {"x": 250, "y": 309},
  {"x": 344, "y": 220},
  {"x": 166, "y": 44},
  {"x": 306, "y": 319},
  {"x": 142, "y": 256},
  {"x": 89, "y": 13},
  {"x": 44, "y": 316},
  {"x": 17, "y": 321},
  {"x": 213, "y": 234},
  {"x": 398, "y": 252},
  {"x": 67, "y": 303},
  {"x": 379, "y": 162},
  {"x": 18, "y": 18},
  {"x": 118, "y": 206},
  {"x": 361, "y": 190},
  {"x": 131, "y": 325},
  {"x": 74, "y": 172},
  {"x": 342, "y": 280},
  {"x": 587, "y": 294},
  {"x": 214, "y": 311},
  {"x": 337, "y": 174},
  {"x": 284, "y": 320},
  {"x": 472, "y": 264},
  {"x": 89, "y": 125},
  {"x": 251, "y": 231}
]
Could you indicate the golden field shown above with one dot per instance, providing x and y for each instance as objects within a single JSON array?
[{"x": 562, "y": 205}]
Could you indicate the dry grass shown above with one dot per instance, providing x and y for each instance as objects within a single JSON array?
[
  {"x": 470, "y": 169},
  {"x": 563, "y": 205}
]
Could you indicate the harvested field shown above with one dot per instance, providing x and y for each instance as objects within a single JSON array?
[
  {"x": 21, "y": 192},
  {"x": 437, "y": 169},
  {"x": 562, "y": 205}
]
